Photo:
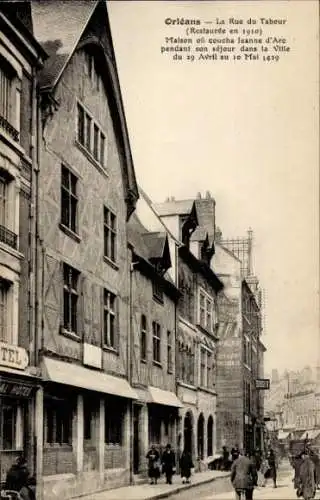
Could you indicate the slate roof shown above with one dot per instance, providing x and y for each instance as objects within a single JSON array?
[
  {"x": 155, "y": 243},
  {"x": 58, "y": 26},
  {"x": 179, "y": 207}
]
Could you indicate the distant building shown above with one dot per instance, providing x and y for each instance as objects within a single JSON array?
[
  {"x": 240, "y": 355},
  {"x": 154, "y": 297},
  {"x": 192, "y": 223}
]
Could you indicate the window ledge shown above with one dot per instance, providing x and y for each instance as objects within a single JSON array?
[
  {"x": 110, "y": 262},
  {"x": 170, "y": 372},
  {"x": 91, "y": 158},
  {"x": 144, "y": 361},
  {"x": 208, "y": 390},
  {"x": 18, "y": 149},
  {"x": 158, "y": 299},
  {"x": 69, "y": 334},
  {"x": 69, "y": 232},
  {"x": 11, "y": 251},
  {"x": 113, "y": 350},
  {"x": 186, "y": 385},
  {"x": 157, "y": 363}
]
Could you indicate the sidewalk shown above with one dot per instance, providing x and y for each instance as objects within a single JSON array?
[{"x": 153, "y": 492}]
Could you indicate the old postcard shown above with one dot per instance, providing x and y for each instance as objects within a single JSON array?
[{"x": 159, "y": 250}]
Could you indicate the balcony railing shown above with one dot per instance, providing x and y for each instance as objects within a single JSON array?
[
  {"x": 8, "y": 237},
  {"x": 7, "y": 127}
]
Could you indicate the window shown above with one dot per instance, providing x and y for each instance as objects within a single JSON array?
[
  {"x": 8, "y": 428},
  {"x": 203, "y": 368},
  {"x": 209, "y": 370},
  {"x": 114, "y": 415},
  {"x": 88, "y": 416},
  {"x": 6, "y": 82},
  {"x": 169, "y": 352},
  {"x": 110, "y": 234},
  {"x": 247, "y": 352},
  {"x": 143, "y": 338},
  {"x": 185, "y": 368},
  {"x": 109, "y": 334},
  {"x": 206, "y": 311},
  {"x": 3, "y": 311},
  {"x": 69, "y": 200},
  {"x": 70, "y": 298},
  {"x": 90, "y": 135},
  {"x": 3, "y": 202},
  {"x": 156, "y": 332},
  {"x": 58, "y": 418},
  {"x": 157, "y": 289}
]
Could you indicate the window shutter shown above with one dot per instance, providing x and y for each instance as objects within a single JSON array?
[
  {"x": 86, "y": 310},
  {"x": 52, "y": 300},
  {"x": 96, "y": 315}
]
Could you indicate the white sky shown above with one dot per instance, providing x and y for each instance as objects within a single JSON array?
[{"x": 246, "y": 132}]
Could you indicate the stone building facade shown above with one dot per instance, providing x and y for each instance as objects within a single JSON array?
[
  {"x": 20, "y": 57},
  {"x": 196, "y": 328}
]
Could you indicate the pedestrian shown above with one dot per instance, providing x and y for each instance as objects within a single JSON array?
[
  {"x": 28, "y": 492},
  {"x": 17, "y": 475},
  {"x": 272, "y": 472},
  {"x": 186, "y": 465},
  {"x": 153, "y": 457},
  {"x": 257, "y": 458},
  {"x": 307, "y": 473},
  {"x": 225, "y": 458},
  {"x": 264, "y": 467},
  {"x": 235, "y": 452},
  {"x": 315, "y": 459},
  {"x": 168, "y": 463},
  {"x": 243, "y": 476}
]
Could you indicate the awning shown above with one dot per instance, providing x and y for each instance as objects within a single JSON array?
[
  {"x": 283, "y": 435},
  {"x": 311, "y": 434},
  {"x": 162, "y": 397},
  {"x": 159, "y": 396},
  {"x": 84, "y": 378}
]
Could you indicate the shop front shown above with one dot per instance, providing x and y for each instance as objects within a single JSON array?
[
  {"x": 17, "y": 391},
  {"x": 86, "y": 417}
]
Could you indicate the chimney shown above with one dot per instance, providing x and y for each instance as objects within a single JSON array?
[
  {"x": 167, "y": 198},
  {"x": 208, "y": 195},
  {"x": 173, "y": 198},
  {"x": 199, "y": 196}
]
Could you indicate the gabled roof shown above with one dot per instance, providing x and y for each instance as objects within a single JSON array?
[
  {"x": 63, "y": 25},
  {"x": 179, "y": 207},
  {"x": 157, "y": 244},
  {"x": 58, "y": 26}
]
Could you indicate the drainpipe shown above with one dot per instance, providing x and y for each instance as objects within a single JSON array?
[{"x": 130, "y": 362}]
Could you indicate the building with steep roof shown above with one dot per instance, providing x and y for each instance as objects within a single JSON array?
[
  {"x": 21, "y": 57},
  {"x": 87, "y": 192},
  {"x": 196, "y": 340}
]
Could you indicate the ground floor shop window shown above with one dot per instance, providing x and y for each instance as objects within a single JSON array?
[
  {"x": 114, "y": 416},
  {"x": 12, "y": 423},
  {"x": 58, "y": 421},
  {"x": 115, "y": 451},
  {"x": 58, "y": 453}
]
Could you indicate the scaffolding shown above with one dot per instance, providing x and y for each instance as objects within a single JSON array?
[{"x": 241, "y": 248}]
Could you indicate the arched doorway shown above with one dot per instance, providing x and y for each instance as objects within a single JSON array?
[
  {"x": 200, "y": 436},
  {"x": 210, "y": 436},
  {"x": 188, "y": 426}
]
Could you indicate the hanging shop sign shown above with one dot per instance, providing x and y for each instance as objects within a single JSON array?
[
  {"x": 263, "y": 384},
  {"x": 13, "y": 356},
  {"x": 15, "y": 390}
]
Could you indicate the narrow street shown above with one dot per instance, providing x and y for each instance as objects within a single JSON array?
[{"x": 222, "y": 490}]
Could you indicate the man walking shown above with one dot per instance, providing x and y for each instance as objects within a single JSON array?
[{"x": 244, "y": 476}]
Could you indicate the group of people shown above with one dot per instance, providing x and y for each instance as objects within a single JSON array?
[
  {"x": 18, "y": 479},
  {"x": 166, "y": 464},
  {"x": 249, "y": 470},
  {"x": 306, "y": 474}
]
